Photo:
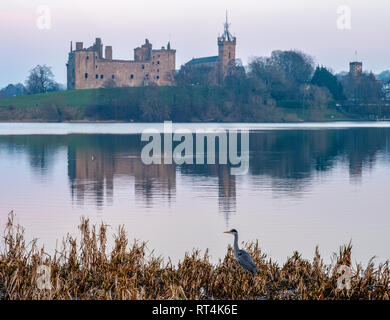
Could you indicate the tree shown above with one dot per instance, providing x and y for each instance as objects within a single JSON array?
[
  {"x": 282, "y": 74},
  {"x": 324, "y": 78},
  {"x": 298, "y": 66},
  {"x": 315, "y": 96},
  {"x": 196, "y": 75},
  {"x": 13, "y": 90},
  {"x": 363, "y": 89},
  {"x": 41, "y": 80}
]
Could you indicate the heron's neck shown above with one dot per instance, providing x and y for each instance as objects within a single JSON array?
[{"x": 236, "y": 248}]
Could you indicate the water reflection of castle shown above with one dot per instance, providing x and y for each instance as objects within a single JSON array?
[
  {"x": 289, "y": 160},
  {"x": 92, "y": 172}
]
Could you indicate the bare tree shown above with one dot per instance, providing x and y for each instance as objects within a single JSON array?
[
  {"x": 283, "y": 73},
  {"x": 40, "y": 80}
]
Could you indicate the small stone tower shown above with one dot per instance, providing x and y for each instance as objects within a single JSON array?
[
  {"x": 226, "y": 52},
  {"x": 355, "y": 69}
]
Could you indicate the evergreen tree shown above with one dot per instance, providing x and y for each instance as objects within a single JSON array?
[{"x": 324, "y": 78}]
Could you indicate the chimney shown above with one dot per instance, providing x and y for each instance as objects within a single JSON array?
[
  {"x": 108, "y": 53},
  {"x": 99, "y": 47},
  {"x": 79, "y": 46}
]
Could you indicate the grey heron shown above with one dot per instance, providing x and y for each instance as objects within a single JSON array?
[{"x": 243, "y": 257}]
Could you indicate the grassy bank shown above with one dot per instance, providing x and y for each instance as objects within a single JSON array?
[
  {"x": 71, "y": 98},
  {"x": 156, "y": 104},
  {"x": 86, "y": 269}
]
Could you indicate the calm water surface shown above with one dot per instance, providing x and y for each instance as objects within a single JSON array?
[{"x": 308, "y": 185}]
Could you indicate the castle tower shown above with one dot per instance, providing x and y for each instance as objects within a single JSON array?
[
  {"x": 143, "y": 53},
  {"x": 226, "y": 52},
  {"x": 355, "y": 69}
]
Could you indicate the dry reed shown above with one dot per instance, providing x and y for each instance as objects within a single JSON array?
[{"x": 85, "y": 270}]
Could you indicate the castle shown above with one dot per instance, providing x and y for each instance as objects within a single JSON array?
[
  {"x": 87, "y": 68},
  {"x": 225, "y": 60}
]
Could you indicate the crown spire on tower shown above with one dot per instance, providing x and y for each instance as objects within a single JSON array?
[{"x": 226, "y": 34}]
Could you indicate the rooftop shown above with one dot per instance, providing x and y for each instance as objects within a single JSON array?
[{"x": 202, "y": 60}]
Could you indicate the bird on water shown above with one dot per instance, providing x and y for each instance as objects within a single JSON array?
[{"x": 243, "y": 257}]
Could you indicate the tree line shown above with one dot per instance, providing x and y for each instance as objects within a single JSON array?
[
  {"x": 284, "y": 80},
  {"x": 40, "y": 80}
]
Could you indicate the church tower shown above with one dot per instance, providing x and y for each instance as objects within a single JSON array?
[{"x": 226, "y": 52}]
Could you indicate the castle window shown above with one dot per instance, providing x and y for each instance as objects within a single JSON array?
[
  {"x": 158, "y": 62},
  {"x": 132, "y": 76},
  {"x": 101, "y": 76},
  {"x": 113, "y": 76},
  {"x": 86, "y": 76},
  {"x": 158, "y": 70},
  {"x": 158, "y": 77},
  {"x": 143, "y": 66},
  {"x": 97, "y": 76},
  {"x": 229, "y": 55},
  {"x": 87, "y": 57}
]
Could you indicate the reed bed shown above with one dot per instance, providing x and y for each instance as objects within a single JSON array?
[{"x": 86, "y": 269}]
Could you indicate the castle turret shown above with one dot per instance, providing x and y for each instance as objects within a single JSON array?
[
  {"x": 79, "y": 46},
  {"x": 144, "y": 52},
  {"x": 356, "y": 69},
  {"x": 99, "y": 47},
  {"x": 108, "y": 53},
  {"x": 226, "y": 52}
]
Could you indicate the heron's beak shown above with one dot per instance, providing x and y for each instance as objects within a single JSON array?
[{"x": 228, "y": 232}]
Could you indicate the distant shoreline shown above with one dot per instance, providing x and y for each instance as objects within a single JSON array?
[
  {"x": 195, "y": 122},
  {"x": 178, "y": 104}
]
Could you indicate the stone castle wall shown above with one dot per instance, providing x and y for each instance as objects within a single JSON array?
[{"x": 87, "y": 69}]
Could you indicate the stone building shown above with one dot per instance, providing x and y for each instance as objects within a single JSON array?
[
  {"x": 356, "y": 69},
  {"x": 224, "y": 61},
  {"x": 87, "y": 68}
]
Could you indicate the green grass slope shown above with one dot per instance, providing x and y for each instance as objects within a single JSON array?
[
  {"x": 69, "y": 98},
  {"x": 155, "y": 104}
]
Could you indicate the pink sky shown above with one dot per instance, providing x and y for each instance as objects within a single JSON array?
[{"x": 193, "y": 27}]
